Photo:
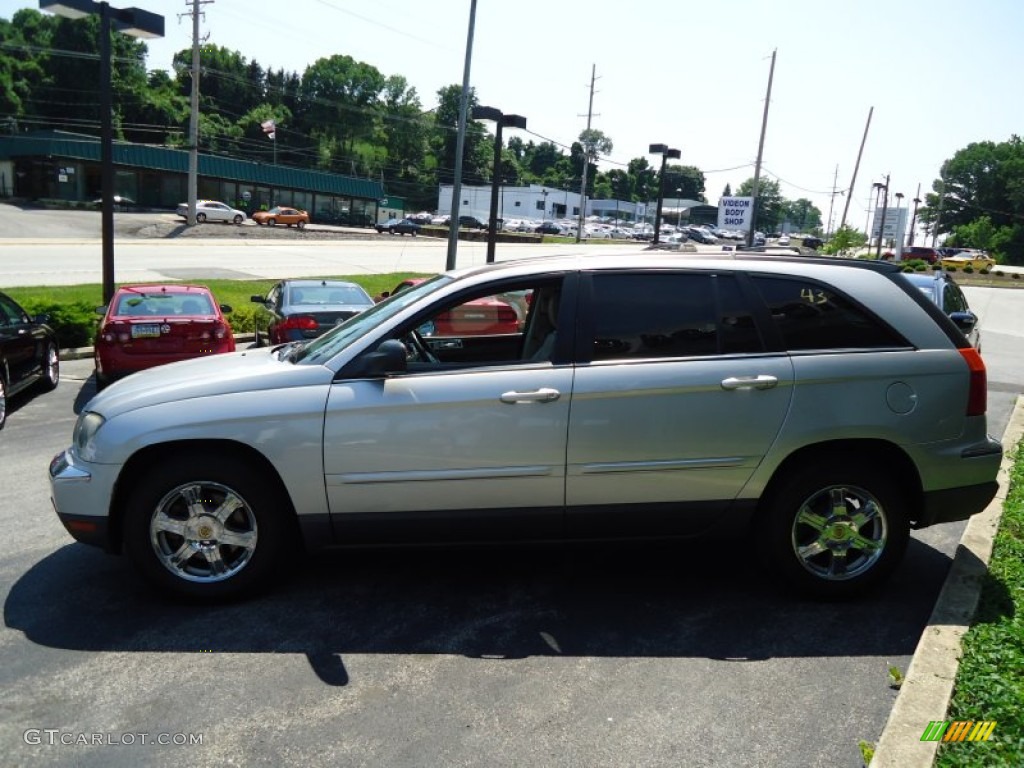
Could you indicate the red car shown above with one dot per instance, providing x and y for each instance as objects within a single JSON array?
[
  {"x": 149, "y": 325},
  {"x": 487, "y": 316}
]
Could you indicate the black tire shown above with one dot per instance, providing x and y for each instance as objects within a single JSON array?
[
  {"x": 101, "y": 381},
  {"x": 200, "y": 218},
  {"x": 3, "y": 399},
  {"x": 300, "y": 224},
  {"x": 272, "y": 222},
  {"x": 811, "y": 523},
  {"x": 51, "y": 369},
  {"x": 185, "y": 552},
  {"x": 238, "y": 219}
]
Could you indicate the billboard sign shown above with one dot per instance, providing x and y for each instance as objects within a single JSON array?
[{"x": 736, "y": 213}]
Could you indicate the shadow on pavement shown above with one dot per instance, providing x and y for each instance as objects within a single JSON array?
[{"x": 616, "y": 601}]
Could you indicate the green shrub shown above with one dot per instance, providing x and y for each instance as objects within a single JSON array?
[
  {"x": 999, "y": 273},
  {"x": 969, "y": 270},
  {"x": 74, "y": 322},
  {"x": 1015, "y": 275},
  {"x": 243, "y": 318},
  {"x": 951, "y": 269},
  {"x": 907, "y": 268},
  {"x": 921, "y": 268}
]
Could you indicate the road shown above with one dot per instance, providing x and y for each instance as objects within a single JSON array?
[{"x": 604, "y": 656}]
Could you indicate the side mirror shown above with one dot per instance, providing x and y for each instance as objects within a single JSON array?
[
  {"x": 101, "y": 310},
  {"x": 965, "y": 321},
  {"x": 226, "y": 309},
  {"x": 42, "y": 319},
  {"x": 388, "y": 358},
  {"x": 258, "y": 299}
]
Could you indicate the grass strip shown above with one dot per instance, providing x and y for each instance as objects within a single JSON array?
[{"x": 990, "y": 680}]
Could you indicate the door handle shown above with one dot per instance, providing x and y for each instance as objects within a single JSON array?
[
  {"x": 543, "y": 395},
  {"x": 761, "y": 381}
]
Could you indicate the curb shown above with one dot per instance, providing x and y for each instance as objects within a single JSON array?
[{"x": 928, "y": 685}]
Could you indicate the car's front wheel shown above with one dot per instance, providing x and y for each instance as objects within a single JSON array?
[
  {"x": 207, "y": 527},
  {"x": 237, "y": 219},
  {"x": 3, "y": 400},
  {"x": 272, "y": 222},
  {"x": 835, "y": 528},
  {"x": 300, "y": 224}
]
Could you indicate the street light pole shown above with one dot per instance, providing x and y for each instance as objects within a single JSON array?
[
  {"x": 500, "y": 119},
  {"x": 666, "y": 153},
  {"x": 679, "y": 208},
  {"x": 136, "y": 23},
  {"x": 913, "y": 217},
  {"x": 885, "y": 205}
]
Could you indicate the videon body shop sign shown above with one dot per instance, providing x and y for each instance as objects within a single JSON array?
[{"x": 736, "y": 213}]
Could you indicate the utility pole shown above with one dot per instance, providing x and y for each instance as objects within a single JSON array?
[
  {"x": 760, "y": 152},
  {"x": 586, "y": 158},
  {"x": 853, "y": 181},
  {"x": 460, "y": 144},
  {"x": 193, "y": 125},
  {"x": 831, "y": 201}
]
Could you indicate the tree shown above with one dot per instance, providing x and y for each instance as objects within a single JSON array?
[
  {"x": 688, "y": 179},
  {"x": 477, "y": 157},
  {"x": 802, "y": 214},
  {"x": 727, "y": 192},
  {"x": 341, "y": 98},
  {"x": 768, "y": 206},
  {"x": 844, "y": 241}
]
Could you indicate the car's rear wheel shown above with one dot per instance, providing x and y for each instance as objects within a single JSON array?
[
  {"x": 207, "y": 527},
  {"x": 51, "y": 369},
  {"x": 200, "y": 218},
  {"x": 3, "y": 400},
  {"x": 237, "y": 219},
  {"x": 835, "y": 528}
]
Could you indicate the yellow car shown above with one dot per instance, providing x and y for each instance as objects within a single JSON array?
[{"x": 976, "y": 261}]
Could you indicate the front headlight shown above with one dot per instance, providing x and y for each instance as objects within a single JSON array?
[{"x": 86, "y": 427}]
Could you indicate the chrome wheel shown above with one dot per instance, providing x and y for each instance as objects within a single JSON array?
[
  {"x": 51, "y": 369},
  {"x": 203, "y": 532},
  {"x": 200, "y": 218},
  {"x": 839, "y": 532},
  {"x": 3, "y": 401}
]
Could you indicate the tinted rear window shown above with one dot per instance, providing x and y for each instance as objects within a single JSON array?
[{"x": 810, "y": 315}]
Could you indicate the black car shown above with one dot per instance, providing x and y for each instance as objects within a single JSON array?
[
  {"x": 944, "y": 291},
  {"x": 471, "y": 222},
  {"x": 28, "y": 353},
  {"x": 399, "y": 227},
  {"x": 303, "y": 309},
  {"x": 813, "y": 242},
  {"x": 549, "y": 228}
]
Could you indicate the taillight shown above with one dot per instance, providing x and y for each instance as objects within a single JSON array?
[
  {"x": 507, "y": 315},
  {"x": 295, "y": 323},
  {"x": 977, "y": 396}
]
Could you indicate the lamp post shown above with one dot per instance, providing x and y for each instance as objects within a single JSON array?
[
  {"x": 544, "y": 213},
  {"x": 884, "y": 189},
  {"x": 130, "y": 21},
  {"x": 500, "y": 120},
  {"x": 666, "y": 153},
  {"x": 899, "y": 235},
  {"x": 913, "y": 217},
  {"x": 679, "y": 208}
]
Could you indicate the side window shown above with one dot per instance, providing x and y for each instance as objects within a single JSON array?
[
  {"x": 954, "y": 300},
  {"x": 669, "y": 315},
  {"x": 8, "y": 313},
  {"x": 811, "y": 315}
]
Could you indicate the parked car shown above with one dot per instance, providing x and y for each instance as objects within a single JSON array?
[
  {"x": 811, "y": 241},
  {"x": 700, "y": 235},
  {"x": 144, "y": 326},
  {"x": 28, "y": 353},
  {"x": 484, "y": 316},
  {"x": 976, "y": 260},
  {"x": 211, "y": 210},
  {"x": 941, "y": 288},
  {"x": 930, "y": 255},
  {"x": 682, "y": 395},
  {"x": 783, "y": 240},
  {"x": 399, "y": 227},
  {"x": 470, "y": 222},
  {"x": 549, "y": 228},
  {"x": 282, "y": 215},
  {"x": 298, "y": 310}
]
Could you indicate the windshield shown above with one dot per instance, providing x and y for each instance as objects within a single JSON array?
[{"x": 323, "y": 348}]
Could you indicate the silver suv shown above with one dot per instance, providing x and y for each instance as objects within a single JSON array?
[{"x": 824, "y": 406}]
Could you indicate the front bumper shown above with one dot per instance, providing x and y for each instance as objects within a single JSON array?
[{"x": 81, "y": 498}]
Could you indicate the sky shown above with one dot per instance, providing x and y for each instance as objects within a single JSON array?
[{"x": 939, "y": 75}]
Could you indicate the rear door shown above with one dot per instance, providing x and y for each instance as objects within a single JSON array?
[
  {"x": 18, "y": 342},
  {"x": 675, "y": 402}
]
